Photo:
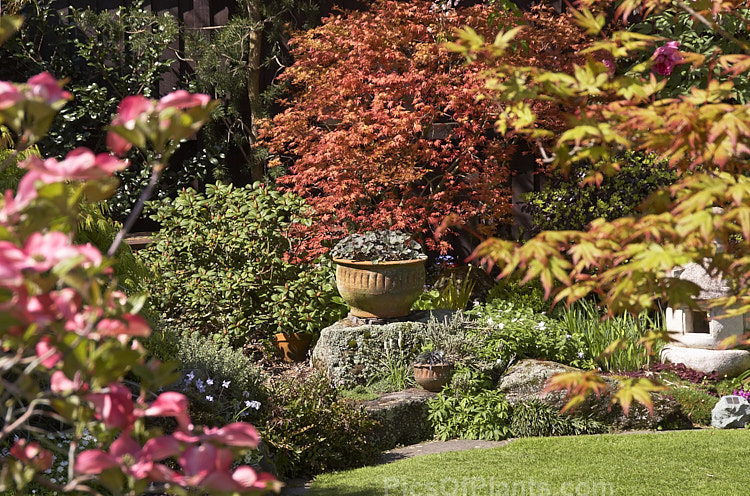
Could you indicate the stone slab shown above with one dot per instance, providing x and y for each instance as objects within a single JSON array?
[{"x": 729, "y": 363}]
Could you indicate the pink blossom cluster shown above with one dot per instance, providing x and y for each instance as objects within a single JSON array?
[
  {"x": 42, "y": 87},
  {"x": 203, "y": 456},
  {"x": 137, "y": 115},
  {"x": 666, "y": 58},
  {"x": 30, "y": 268}
]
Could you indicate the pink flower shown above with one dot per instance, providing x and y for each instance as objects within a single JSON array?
[
  {"x": 44, "y": 251},
  {"x": 126, "y": 454},
  {"x": 79, "y": 165},
  {"x": 45, "y": 348},
  {"x": 131, "y": 109},
  {"x": 128, "y": 325},
  {"x": 114, "y": 408},
  {"x": 236, "y": 434},
  {"x": 47, "y": 88},
  {"x": 171, "y": 404},
  {"x": 9, "y": 95},
  {"x": 181, "y": 99},
  {"x": 666, "y": 57},
  {"x": 32, "y": 454},
  {"x": 12, "y": 262},
  {"x": 59, "y": 383}
]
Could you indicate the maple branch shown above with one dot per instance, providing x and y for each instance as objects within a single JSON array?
[{"x": 713, "y": 25}]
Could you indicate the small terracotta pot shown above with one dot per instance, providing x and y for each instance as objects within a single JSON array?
[
  {"x": 433, "y": 378},
  {"x": 293, "y": 347},
  {"x": 380, "y": 290}
]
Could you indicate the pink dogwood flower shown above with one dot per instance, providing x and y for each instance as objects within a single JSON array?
[
  {"x": 32, "y": 454},
  {"x": 79, "y": 165},
  {"x": 45, "y": 87},
  {"x": 60, "y": 384},
  {"x": 126, "y": 454},
  {"x": 115, "y": 408},
  {"x": 9, "y": 95},
  {"x": 128, "y": 325},
  {"x": 182, "y": 99},
  {"x": 666, "y": 58},
  {"x": 45, "y": 348},
  {"x": 171, "y": 404}
]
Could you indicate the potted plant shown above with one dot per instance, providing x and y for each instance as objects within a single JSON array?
[
  {"x": 432, "y": 370},
  {"x": 379, "y": 273}
]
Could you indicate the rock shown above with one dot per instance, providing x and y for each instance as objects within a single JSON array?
[
  {"x": 402, "y": 416},
  {"x": 730, "y": 412},
  {"x": 353, "y": 354},
  {"x": 729, "y": 363},
  {"x": 526, "y": 380}
]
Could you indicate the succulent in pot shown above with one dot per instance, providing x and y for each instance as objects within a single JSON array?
[
  {"x": 378, "y": 246},
  {"x": 379, "y": 273},
  {"x": 432, "y": 370}
]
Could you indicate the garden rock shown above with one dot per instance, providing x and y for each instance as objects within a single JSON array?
[
  {"x": 730, "y": 412},
  {"x": 353, "y": 354},
  {"x": 526, "y": 380},
  {"x": 402, "y": 416}
]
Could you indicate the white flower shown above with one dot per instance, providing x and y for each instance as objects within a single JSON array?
[
  {"x": 475, "y": 303},
  {"x": 190, "y": 377},
  {"x": 245, "y": 394},
  {"x": 225, "y": 384},
  {"x": 541, "y": 325},
  {"x": 253, "y": 404},
  {"x": 581, "y": 354},
  {"x": 568, "y": 336},
  {"x": 209, "y": 397},
  {"x": 501, "y": 325},
  {"x": 210, "y": 381},
  {"x": 490, "y": 321},
  {"x": 199, "y": 384}
]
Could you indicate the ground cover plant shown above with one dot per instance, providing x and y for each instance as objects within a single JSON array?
[
  {"x": 382, "y": 127},
  {"x": 600, "y": 464}
]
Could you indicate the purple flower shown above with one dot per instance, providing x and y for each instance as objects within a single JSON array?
[{"x": 666, "y": 57}]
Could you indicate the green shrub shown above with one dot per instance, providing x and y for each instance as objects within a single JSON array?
[
  {"x": 584, "y": 318},
  {"x": 564, "y": 205},
  {"x": 529, "y": 295},
  {"x": 222, "y": 265},
  {"x": 474, "y": 414},
  {"x": 696, "y": 404},
  {"x": 310, "y": 429},
  {"x": 223, "y": 385},
  {"x": 533, "y": 418},
  {"x": 513, "y": 332}
]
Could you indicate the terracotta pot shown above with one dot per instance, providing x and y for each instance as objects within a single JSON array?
[
  {"x": 293, "y": 347},
  {"x": 380, "y": 290},
  {"x": 433, "y": 378}
]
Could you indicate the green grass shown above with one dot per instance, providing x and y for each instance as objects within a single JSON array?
[{"x": 701, "y": 462}]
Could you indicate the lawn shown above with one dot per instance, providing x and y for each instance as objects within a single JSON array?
[{"x": 686, "y": 463}]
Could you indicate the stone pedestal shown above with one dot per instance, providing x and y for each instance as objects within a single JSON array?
[{"x": 729, "y": 363}]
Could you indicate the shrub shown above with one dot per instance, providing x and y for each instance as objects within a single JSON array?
[
  {"x": 223, "y": 385},
  {"x": 222, "y": 265},
  {"x": 311, "y": 429},
  {"x": 514, "y": 332},
  {"x": 529, "y": 295},
  {"x": 696, "y": 404},
  {"x": 474, "y": 414},
  {"x": 564, "y": 204},
  {"x": 533, "y": 418},
  {"x": 585, "y": 319}
]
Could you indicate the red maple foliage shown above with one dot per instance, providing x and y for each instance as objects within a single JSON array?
[{"x": 383, "y": 127}]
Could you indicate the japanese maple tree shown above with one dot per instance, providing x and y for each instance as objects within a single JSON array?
[
  {"x": 384, "y": 127},
  {"x": 629, "y": 103}
]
